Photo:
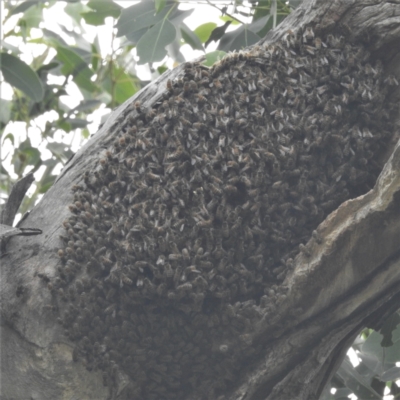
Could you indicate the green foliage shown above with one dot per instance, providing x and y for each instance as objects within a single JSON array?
[
  {"x": 378, "y": 354},
  {"x": 149, "y": 32},
  {"x": 204, "y": 31},
  {"x": 390, "y": 332},
  {"x": 75, "y": 66},
  {"x": 101, "y": 10},
  {"x": 121, "y": 85},
  {"x": 160, "y": 35},
  {"x": 191, "y": 38},
  {"x": 213, "y": 57},
  {"x": 22, "y": 76},
  {"x": 153, "y": 31}
]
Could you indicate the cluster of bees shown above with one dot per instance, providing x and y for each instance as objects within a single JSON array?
[{"x": 179, "y": 239}]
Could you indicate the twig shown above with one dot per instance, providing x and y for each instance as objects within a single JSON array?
[
  {"x": 17, "y": 194},
  {"x": 229, "y": 15}
]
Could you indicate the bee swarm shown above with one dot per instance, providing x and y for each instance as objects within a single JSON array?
[{"x": 180, "y": 238}]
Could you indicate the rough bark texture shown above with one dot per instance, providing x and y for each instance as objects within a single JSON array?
[{"x": 350, "y": 280}]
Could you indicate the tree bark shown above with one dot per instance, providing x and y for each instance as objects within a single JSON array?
[{"x": 349, "y": 279}]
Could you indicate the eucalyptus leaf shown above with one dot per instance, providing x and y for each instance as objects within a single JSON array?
[
  {"x": 342, "y": 394},
  {"x": 262, "y": 9},
  {"x": 108, "y": 7},
  {"x": 388, "y": 327},
  {"x": 10, "y": 137},
  {"x": 396, "y": 333},
  {"x": 360, "y": 386},
  {"x": 73, "y": 64},
  {"x": 86, "y": 55},
  {"x": 25, "y": 155},
  {"x": 87, "y": 105},
  {"x": 96, "y": 54},
  {"x": 56, "y": 147},
  {"x": 226, "y": 18},
  {"x": 295, "y": 3},
  {"x": 75, "y": 10},
  {"x": 191, "y": 38},
  {"x": 23, "y": 6},
  {"x": 159, "y": 5},
  {"x": 102, "y": 9},
  {"x": 139, "y": 16},
  {"x": 46, "y": 184},
  {"x": 177, "y": 16},
  {"x": 125, "y": 86},
  {"x": 203, "y": 31},
  {"x": 65, "y": 126},
  {"x": 105, "y": 97},
  {"x": 85, "y": 133},
  {"x": 326, "y": 394},
  {"x": 32, "y": 17},
  {"x": 162, "y": 68},
  {"x": 151, "y": 47},
  {"x": 364, "y": 370},
  {"x": 259, "y": 24},
  {"x": 213, "y": 57},
  {"x": 5, "y": 113},
  {"x": 45, "y": 68},
  {"x": 238, "y": 39},
  {"x": 54, "y": 37},
  {"x": 60, "y": 151},
  {"x": 135, "y": 36},
  {"x": 392, "y": 374},
  {"x": 20, "y": 75},
  {"x": 81, "y": 44},
  {"x": 77, "y": 122},
  {"x": 47, "y": 179},
  {"x": 373, "y": 362},
  {"x": 378, "y": 357},
  {"x": 174, "y": 51},
  {"x": 8, "y": 46}
]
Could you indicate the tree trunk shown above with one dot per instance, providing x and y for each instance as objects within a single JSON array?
[{"x": 346, "y": 277}]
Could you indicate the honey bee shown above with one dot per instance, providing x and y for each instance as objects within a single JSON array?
[
  {"x": 78, "y": 204},
  {"x": 230, "y": 189},
  {"x": 125, "y": 280},
  {"x": 217, "y": 84},
  {"x": 186, "y": 88},
  {"x": 212, "y": 204},
  {"x": 170, "y": 86},
  {"x": 206, "y": 265},
  {"x": 176, "y": 155},
  {"x": 221, "y": 141},
  {"x": 138, "y": 107},
  {"x": 203, "y": 223},
  {"x": 391, "y": 81},
  {"x": 73, "y": 208},
  {"x": 139, "y": 282},
  {"x": 200, "y": 98},
  {"x": 318, "y": 43},
  {"x": 153, "y": 177},
  {"x": 168, "y": 271},
  {"x": 175, "y": 257},
  {"x": 186, "y": 254},
  {"x": 316, "y": 236},
  {"x": 193, "y": 86},
  {"x": 215, "y": 189},
  {"x": 304, "y": 250}
]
